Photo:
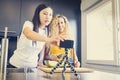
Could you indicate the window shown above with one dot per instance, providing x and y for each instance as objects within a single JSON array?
[{"x": 100, "y": 34}]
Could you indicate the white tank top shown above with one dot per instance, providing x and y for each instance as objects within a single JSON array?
[{"x": 26, "y": 54}]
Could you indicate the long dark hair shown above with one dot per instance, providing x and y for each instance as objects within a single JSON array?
[{"x": 36, "y": 18}]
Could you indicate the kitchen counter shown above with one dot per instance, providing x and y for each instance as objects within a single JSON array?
[{"x": 37, "y": 74}]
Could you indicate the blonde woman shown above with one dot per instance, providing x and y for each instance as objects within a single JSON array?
[{"x": 60, "y": 26}]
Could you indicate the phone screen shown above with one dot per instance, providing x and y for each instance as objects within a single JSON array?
[{"x": 66, "y": 44}]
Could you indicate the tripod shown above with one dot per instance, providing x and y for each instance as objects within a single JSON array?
[{"x": 67, "y": 44}]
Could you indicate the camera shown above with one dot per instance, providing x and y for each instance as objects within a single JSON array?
[{"x": 66, "y": 44}]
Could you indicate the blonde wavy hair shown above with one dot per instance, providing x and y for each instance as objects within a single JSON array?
[{"x": 54, "y": 30}]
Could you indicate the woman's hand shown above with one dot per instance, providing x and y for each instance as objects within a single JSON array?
[
  {"x": 76, "y": 63},
  {"x": 53, "y": 57},
  {"x": 55, "y": 39}
]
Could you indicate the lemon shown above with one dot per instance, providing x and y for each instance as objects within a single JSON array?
[{"x": 50, "y": 63}]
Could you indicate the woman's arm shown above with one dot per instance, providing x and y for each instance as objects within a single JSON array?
[
  {"x": 75, "y": 58},
  {"x": 32, "y": 35},
  {"x": 48, "y": 56},
  {"x": 35, "y": 36},
  {"x": 47, "y": 50},
  {"x": 41, "y": 57}
]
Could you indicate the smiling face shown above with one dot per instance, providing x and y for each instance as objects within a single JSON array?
[
  {"x": 61, "y": 24},
  {"x": 45, "y": 16}
]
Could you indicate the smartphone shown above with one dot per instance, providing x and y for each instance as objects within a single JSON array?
[{"x": 66, "y": 44}]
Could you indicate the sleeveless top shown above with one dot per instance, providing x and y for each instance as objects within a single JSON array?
[{"x": 26, "y": 54}]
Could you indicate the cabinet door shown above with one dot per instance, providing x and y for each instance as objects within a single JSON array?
[
  {"x": 118, "y": 25},
  {"x": 86, "y": 4},
  {"x": 9, "y": 16}
]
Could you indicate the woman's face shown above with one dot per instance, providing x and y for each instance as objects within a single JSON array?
[
  {"x": 61, "y": 24},
  {"x": 46, "y": 16}
]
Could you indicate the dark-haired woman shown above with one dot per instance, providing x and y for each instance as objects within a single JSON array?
[{"x": 33, "y": 38}]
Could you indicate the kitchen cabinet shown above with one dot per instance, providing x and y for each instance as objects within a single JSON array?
[
  {"x": 10, "y": 16},
  {"x": 86, "y": 4}
]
